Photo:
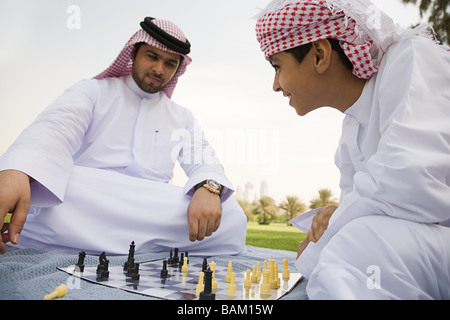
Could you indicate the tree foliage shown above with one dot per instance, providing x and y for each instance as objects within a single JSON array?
[
  {"x": 325, "y": 198},
  {"x": 292, "y": 207},
  {"x": 439, "y": 16},
  {"x": 266, "y": 209}
]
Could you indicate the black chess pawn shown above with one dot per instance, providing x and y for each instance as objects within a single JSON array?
[
  {"x": 101, "y": 262},
  {"x": 170, "y": 261},
  {"x": 176, "y": 259},
  {"x": 104, "y": 274},
  {"x": 180, "y": 264},
  {"x": 164, "y": 272},
  {"x": 79, "y": 267}
]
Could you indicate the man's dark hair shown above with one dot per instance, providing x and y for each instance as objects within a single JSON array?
[
  {"x": 300, "y": 52},
  {"x": 138, "y": 45}
]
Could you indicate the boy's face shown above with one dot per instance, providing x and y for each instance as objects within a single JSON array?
[
  {"x": 154, "y": 68},
  {"x": 297, "y": 81}
]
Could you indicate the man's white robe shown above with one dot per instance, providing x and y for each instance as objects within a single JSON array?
[
  {"x": 390, "y": 236},
  {"x": 101, "y": 156}
]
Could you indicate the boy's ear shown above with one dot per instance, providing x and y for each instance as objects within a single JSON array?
[{"x": 322, "y": 55}]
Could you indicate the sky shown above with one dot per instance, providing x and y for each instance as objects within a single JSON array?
[{"x": 49, "y": 45}]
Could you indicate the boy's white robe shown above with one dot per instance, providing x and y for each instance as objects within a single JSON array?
[
  {"x": 101, "y": 156},
  {"x": 390, "y": 236}
]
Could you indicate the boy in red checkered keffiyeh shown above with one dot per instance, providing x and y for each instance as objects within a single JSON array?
[{"x": 392, "y": 84}]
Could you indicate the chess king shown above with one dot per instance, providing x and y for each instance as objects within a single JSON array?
[{"x": 92, "y": 172}]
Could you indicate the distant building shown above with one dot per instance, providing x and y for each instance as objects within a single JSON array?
[{"x": 264, "y": 189}]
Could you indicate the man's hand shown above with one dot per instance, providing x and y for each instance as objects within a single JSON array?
[
  {"x": 14, "y": 198},
  {"x": 204, "y": 214}
]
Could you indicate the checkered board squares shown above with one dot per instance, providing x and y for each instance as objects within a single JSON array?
[{"x": 181, "y": 287}]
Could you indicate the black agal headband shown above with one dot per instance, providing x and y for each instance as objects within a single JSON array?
[{"x": 163, "y": 37}]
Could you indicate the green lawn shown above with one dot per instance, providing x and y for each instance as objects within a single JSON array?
[{"x": 274, "y": 236}]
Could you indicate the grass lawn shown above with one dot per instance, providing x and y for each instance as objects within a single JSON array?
[{"x": 274, "y": 236}]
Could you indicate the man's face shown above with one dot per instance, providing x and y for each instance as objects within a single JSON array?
[{"x": 154, "y": 68}]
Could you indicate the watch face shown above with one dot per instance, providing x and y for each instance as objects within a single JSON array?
[{"x": 213, "y": 184}]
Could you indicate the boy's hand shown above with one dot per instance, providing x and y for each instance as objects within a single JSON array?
[
  {"x": 14, "y": 198},
  {"x": 320, "y": 223},
  {"x": 302, "y": 246},
  {"x": 318, "y": 227}
]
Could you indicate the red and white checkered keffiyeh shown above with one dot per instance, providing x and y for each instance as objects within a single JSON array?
[
  {"x": 123, "y": 64},
  {"x": 364, "y": 32}
]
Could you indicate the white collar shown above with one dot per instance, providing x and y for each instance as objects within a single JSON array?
[{"x": 129, "y": 81}]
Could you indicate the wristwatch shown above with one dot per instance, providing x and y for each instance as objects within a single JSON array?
[{"x": 211, "y": 185}]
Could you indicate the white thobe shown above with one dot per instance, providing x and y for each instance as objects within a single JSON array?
[
  {"x": 101, "y": 156},
  {"x": 390, "y": 236}
]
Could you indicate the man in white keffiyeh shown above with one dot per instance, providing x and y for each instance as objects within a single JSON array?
[
  {"x": 100, "y": 158},
  {"x": 389, "y": 237}
]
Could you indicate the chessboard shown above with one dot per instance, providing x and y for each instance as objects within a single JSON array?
[{"x": 180, "y": 279}]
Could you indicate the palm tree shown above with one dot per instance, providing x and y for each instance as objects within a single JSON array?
[
  {"x": 292, "y": 207},
  {"x": 246, "y": 207},
  {"x": 265, "y": 207},
  {"x": 325, "y": 199}
]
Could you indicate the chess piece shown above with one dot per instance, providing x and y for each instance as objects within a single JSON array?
[
  {"x": 232, "y": 286},
  {"x": 248, "y": 281},
  {"x": 130, "y": 261},
  {"x": 101, "y": 262},
  {"x": 184, "y": 268},
  {"x": 265, "y": 286},
  {"x": 254, "y": 277},
  {"x": 181, "y": 262},
  {"x": 59, "y": 292},
  {"x": 130, "y": 269},
  {"x": 135, "y": 276},
  {"x": 176, "y": 259},
  {"x": 164, "y": 272},
  {"x": 104, "y": 274},
  {"x": 170, "y": 261},
  {"x": 229, "y": 272},
  {"x": 207, "y": 293},
  {"x": 258, "y": 270},
  {"x": 200, "y": 286},
  {"x": 79, "y": 267},
  {"x": 286, "y": 272},
  {"x": 204, "y": 265}
]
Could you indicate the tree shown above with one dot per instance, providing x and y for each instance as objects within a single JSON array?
[
  {"x": 439, "y": 16},
  {"x": 325, "y": 198},
  {"x": 265, "y": 208},
  {"x": 292, "y": 206},
  {"x": 246, "y": 207}
]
